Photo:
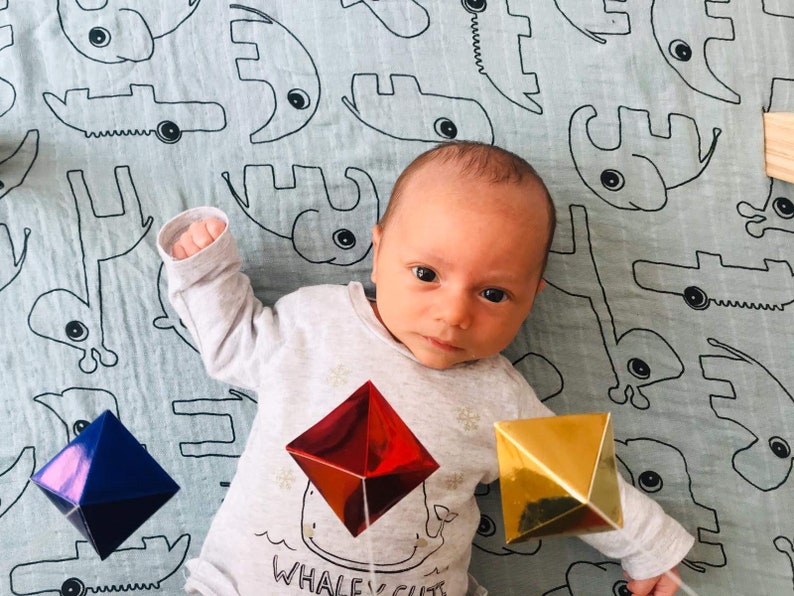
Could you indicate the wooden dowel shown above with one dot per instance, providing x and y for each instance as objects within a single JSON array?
[{"x": 779, "y": 145}]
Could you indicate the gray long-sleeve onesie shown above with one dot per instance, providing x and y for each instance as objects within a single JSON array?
[{"x": 274, "y": 534}]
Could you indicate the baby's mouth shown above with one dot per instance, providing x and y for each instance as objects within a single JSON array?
[{"x": 441, "y": 345}]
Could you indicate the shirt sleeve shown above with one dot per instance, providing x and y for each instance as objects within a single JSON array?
[
  {"x": 650, "y": 542},
  {"x": 232, "y": 329}
]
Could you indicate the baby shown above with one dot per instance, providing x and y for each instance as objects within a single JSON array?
[{"x": 458, "y": 261}]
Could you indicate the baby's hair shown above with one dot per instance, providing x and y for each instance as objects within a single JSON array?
[{"x": 481, "y": 161}]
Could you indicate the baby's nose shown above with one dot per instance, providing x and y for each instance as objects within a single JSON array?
[{"x": 455, "y": 311}]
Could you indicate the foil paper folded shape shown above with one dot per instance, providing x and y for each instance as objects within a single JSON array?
[
  {"x": 362, "y": 458},
  {"x": 105, "y": 483},
  {"x": 558, "y": 476}
]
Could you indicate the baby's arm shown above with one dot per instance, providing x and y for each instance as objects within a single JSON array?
[
  {"x": 651, "y": 543},
  {"x": 232, "y": 330},
  {"x": 199, "y": 235}
]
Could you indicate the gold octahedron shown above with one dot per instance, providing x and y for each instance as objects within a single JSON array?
[{"x": 558, "y": 476}]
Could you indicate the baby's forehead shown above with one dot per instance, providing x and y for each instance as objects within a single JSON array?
[{"x": 525, "y": 194}]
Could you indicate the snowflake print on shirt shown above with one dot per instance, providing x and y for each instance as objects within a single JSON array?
[
  {"x": 285, "y": 478},
  {"x": 338, "y": 375},
  {"x": 468, "y": 418},
  {"x": 454, "y": 481}
]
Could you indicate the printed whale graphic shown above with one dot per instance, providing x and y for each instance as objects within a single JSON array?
[{"x": 407, "y": 551}]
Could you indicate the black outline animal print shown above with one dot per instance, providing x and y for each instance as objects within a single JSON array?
[
  {"x": 8, "y": 94},
  {"x": 137, "y": 113},
  {"x": 113, "y": 31},
  {"x": 638, "y": 357},
  {"x": 76, "y": 320},
  {"x": 596, "y": 18},
  {"x": 13, "y": 171},
  {"x": 547, "y": 380},
  {"x": 687, "y": 56},
  {"x": 777, "y": 212},
  {"x": 125, "y": 570},
  {"x": 766, "y": 461},
  {"x": 231, "y": 416},
  {"x": 335, "y": 232},
  {"x": 778, "y": 8},
  {"x": 15, "y": 477},
  {"x": 637, "y": 171},
  {"x": 403, "y": 18},
  {"x": 583, "y": 578},
  {"x": 660, "y": 470},
  {"x": 784, "y": 545},
  {"x": 512, "y": 79},
  {"x": 401, "y": 110},
  {"x": 15, "y": 168},
  {"x": 170, "y": 319},
  {"x": 77, "y": 407},
  {"x": 10, "y": 262},
  {"x": 770, "y": 287},
  {"x": 283, "y": 65}
]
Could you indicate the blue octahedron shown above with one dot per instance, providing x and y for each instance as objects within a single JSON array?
[{"x": 105, "y": 483}]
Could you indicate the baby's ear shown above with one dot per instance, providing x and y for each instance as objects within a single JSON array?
[
  {"x": 377, "y": 234},
  {"x": 541, "y": 285}
]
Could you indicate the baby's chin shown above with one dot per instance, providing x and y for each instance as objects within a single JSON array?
[{"x": 441, "y": 363}]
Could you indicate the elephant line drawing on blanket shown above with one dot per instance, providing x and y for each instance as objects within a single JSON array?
[
  {"x": 327, "y": 225},
  {"x": 637, "y": 170},
  {"x": 686, "y": 49},
  {"x": 280, "y": 62},
  {"x": 399, "y": 108}
]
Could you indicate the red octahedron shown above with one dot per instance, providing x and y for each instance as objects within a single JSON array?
[{"x": 362, "y": 458}]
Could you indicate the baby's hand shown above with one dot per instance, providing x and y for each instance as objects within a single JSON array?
[
  {"x": 199, "y": 235},
  {"x": 661, "y": 585}
]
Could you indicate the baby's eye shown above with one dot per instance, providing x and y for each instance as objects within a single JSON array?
[
  {"x": 424, "y": 274},
  {"x": 493, "y": 295}
]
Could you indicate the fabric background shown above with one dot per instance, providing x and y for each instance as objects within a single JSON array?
[{"x": 671, "y": 285}]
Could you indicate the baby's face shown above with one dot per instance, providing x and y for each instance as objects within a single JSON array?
[{"x": 458, "y": 266}]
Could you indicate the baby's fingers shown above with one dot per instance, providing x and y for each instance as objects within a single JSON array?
[
  {"x": 178, "y": 252},
  {"x": 661, "y": 585},
  {"x": 215, "y": 227},
  {"x": 199, "y": 234}
]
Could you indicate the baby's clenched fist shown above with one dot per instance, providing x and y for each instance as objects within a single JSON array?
[{"x": 199, "y": 235}]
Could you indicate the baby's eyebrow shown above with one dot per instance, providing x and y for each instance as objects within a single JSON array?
[{"x": 420, "y": 255}]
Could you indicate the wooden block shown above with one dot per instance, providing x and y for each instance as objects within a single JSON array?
[{"x": 779, "y": 145}]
